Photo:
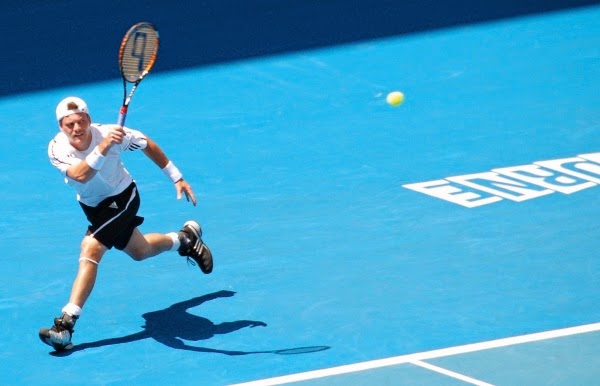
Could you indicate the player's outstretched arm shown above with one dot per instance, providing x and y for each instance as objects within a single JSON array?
[{"x": 155, "y": 153}]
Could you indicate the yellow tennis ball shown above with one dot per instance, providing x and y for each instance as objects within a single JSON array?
[{"x": 395, "y": 98}]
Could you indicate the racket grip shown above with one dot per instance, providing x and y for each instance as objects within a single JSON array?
[{"x": 122, "y": 115}]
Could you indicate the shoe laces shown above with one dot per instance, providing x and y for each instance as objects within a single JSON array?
[
  {"x": 191, "y": 261},
  {"x": 65, "y": 322}
]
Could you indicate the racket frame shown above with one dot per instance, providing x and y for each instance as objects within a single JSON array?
[{"x": 127, "y": 97}]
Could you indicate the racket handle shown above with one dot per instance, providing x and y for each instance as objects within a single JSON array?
[{"x": 122, "y": 115}]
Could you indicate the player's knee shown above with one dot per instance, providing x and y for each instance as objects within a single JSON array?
[
  {"x": 137, "y": 248},
  {"x": 137, "y": 253},
  {"x": 137, "y": 256},
  {"x": 92, "y": 248}
]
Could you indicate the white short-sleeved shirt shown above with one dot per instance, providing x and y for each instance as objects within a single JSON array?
[{"x": 112, "y": 178}]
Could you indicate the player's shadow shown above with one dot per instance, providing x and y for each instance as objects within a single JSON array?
[{"x": 174, "y": 324}]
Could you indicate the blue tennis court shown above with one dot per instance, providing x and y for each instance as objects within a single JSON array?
[{"x": 451, "y": 240}]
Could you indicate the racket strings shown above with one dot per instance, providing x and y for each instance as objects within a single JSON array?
[{"x": 138, "y": 51}]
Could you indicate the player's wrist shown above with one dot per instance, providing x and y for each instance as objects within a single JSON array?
[
  {"x": 95, "y": 159},
  {"x": 172, "y": 172}
]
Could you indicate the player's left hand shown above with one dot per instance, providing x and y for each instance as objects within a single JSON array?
[{"x": 184, "y": 188}]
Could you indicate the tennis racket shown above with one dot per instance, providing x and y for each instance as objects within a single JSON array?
[{"x": 137, "y": 55}]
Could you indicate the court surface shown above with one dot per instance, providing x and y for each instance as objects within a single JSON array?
[{"x": 355, "y": 243}]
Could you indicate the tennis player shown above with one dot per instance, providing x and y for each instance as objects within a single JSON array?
[{"x": 88, "y": 155}]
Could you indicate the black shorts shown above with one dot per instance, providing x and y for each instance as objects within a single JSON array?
[{"x": 115, "y": 218}]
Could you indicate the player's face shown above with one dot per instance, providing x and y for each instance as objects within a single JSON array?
[{"x": 77, "y": 129}]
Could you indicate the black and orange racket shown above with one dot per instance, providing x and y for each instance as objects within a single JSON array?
[{"x": 137, "y": 55}]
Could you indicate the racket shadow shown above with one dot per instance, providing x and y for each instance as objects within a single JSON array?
[{"x": 172, "y": 325}]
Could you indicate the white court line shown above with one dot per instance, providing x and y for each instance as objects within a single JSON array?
[
  {"x": 424, "y": 355},
  {"x": 449, "y": 373}
]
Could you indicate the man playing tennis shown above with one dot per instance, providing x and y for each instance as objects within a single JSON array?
[{"x": 88, "y": 155}]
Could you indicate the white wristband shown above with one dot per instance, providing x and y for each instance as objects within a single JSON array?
[
  {"x": 172, "y": 172},
  {"x": 95, "y": 159}
]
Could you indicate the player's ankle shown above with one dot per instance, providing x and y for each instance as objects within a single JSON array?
[
  {"x": 72, "y": 310},
  {"x": 175, "y": 238}
]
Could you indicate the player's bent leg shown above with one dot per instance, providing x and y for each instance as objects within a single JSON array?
[
  {"x": 141, "y": 247},
  {"x": 188, "y": 242}
]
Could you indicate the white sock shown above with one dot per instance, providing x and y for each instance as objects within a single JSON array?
[
  {"x": 176, "y": 243},
  {"x": 72, "y": 309}
]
